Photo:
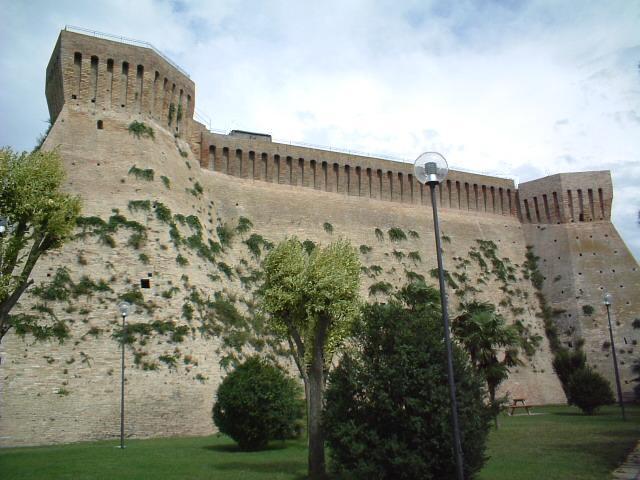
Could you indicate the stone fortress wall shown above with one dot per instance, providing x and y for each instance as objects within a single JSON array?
[{"x": 95, "y": 87}]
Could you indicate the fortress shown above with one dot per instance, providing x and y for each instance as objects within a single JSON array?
[{"x": 177, "y": 221}]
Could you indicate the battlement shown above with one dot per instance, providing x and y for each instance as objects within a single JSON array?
[
  {"x": 567, "y": 198},
  {"x": 103, "y": 74},
  {"x": 124, "y": 76},
  {"x": 258, "y": 158}
]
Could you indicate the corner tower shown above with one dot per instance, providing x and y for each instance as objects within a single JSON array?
[
  {"x": 567, "y": 219},
  {"x": 105, "y": 74}
]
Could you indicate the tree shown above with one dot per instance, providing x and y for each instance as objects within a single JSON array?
[
  {"x": 40, "y": 218},
  {"x": 589, "y": 390},
  {"x": 567, "y": 362},
  {"x": 312, "y": 300},
  {"x": 258, "y": 402},
  {"x": 388, "y": 408},
  {"x": 486, "y": 337}
]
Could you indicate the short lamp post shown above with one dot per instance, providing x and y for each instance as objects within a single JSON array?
[
  {"x": 607, "y": 303},
  {"x": 124, "y": 308},
  {"x": 431, "y": 168}
]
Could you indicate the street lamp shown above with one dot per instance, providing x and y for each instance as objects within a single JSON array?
[
  {"x": 431, "y": 168},
  {"x": 124, "y": 308},
  {"x": 607, "y": 303},
  {"x": 4, "y": 226}
]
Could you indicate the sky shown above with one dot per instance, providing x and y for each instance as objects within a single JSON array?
[{"x": 518, "y": 88}]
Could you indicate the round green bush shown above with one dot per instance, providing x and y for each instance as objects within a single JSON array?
[
  {"x": 258, "y": 402},
  {"x": 589, "y": 390},
  {"x": 387, "y": 412}
]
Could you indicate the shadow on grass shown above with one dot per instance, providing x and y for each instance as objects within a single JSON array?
[
  {"x": 293, "y": 468},
  {"x": 234, "y": 448},
  {"x": 609, "y": 453},
  {"x": 568, "y": 414}
]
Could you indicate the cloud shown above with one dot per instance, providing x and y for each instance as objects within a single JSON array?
[{"x": 519, "y": 88}]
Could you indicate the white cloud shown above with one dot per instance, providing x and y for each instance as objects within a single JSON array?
[{"x": 522, "y": 88}]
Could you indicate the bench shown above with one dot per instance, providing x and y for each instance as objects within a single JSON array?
[{"x": 519, "y": 403}]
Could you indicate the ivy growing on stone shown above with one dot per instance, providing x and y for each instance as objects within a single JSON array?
[
  {"x": 396, "y": 234},
  {"x": 140, "y": 129},
  {"x": 142, "y": 174}
]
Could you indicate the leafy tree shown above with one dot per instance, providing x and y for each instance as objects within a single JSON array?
[
  {"x": 258, "y": 402},
  {"x": 388, "y": 408},
  {"x": 589, "y": 390},
  {"x": 492, "y": 345},
  {"x": 312, "y": 301},
  {"x": 41, "y": 218},
  {"x": 566, "y": 362}
]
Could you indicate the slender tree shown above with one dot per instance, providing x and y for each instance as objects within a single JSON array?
[
  {"x": 312, "y": 300},
  {"x": 37, "y": 217},
  {"x": 492, "y": 345}
]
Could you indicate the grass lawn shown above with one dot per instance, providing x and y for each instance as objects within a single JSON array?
[{"x": 561, "y": 444}]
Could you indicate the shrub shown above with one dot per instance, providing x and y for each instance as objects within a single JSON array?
[
  {"x": 140, "y": 129},
  {"x": 396, "y": 234},
  {"x": 256, "y": 403},
  {"x": 327, "y": 227},
  {"x": 398, "y": 255},
  {"x": 415, "y": 256},
  {"x": 387, "y": 409},
  {"x": 225, "y": 234},
  {"x": 166, "y": 181},
  {"x": 589, "y": 390},
  {"x": 587, "y": 309},
  {"x": 255, "y": 243},
  {"x": 379, "y": 234},
  {"x": 135, "y": 205},
  {"x": 244, "y": 225},
  {"x": 364, "y": 249},
  {"x": 163, "y": 213},
  {"x": 636, "y": 323},
  {"x": 142, "y": 174},
  {"x": 566, "y": 362}
]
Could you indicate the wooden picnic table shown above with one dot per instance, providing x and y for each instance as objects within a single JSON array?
[{"x": 519, "y": 403}]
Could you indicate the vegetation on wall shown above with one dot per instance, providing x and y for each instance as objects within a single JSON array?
[
  {"x": 140, "y": 129},
  {"x": 364, "y": 249},
  {"x": 142, "y": 174},
  {"x": 396, "y": 234}
]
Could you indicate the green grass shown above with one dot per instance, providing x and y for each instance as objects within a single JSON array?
[
  {"x": 560, "y": 444},
  {"x": 168, "y": 459}
]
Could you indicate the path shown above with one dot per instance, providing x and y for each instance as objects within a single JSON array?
[{"x": 630, "y": 469}]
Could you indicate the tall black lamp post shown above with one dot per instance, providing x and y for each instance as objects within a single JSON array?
[
  {"x": 124, "y": 308},
  {"x": 431, "y": 168},
  {"x": 607, "y": 303}
]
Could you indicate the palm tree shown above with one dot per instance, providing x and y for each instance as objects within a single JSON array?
[{"x": 492, "y": 345}]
